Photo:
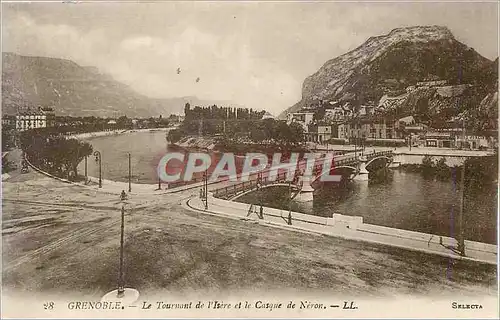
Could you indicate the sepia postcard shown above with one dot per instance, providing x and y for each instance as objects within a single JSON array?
[{"x": 249, "y": 159}]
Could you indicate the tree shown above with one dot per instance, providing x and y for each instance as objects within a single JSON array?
[
  {"x": 427, "y": 166},
  {"x": 55, "y": 154},
  {"x": 296, "y": 133},
  {"x": 174, "y": 135},
  {"x": 442, "y": 170}
]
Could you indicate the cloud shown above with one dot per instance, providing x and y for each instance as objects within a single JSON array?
[
  {"x": 252, "y": 54},
  {"x": 227, "y": 67}
]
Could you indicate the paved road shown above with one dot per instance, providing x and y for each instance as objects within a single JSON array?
[
  {"x": 64, "y": 238},
  {"x": 483, "y": 253}
]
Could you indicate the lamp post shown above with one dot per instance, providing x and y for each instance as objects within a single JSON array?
[
  {"x": 205, "y": 183},
  {"x": 129, "y": 174},
  {"x": 126, "y": 296},
  {"x": 121, "y": 289},
  {"x": 289, "y": 221},
  {"x": 98, "y": 157},
  {"x": 461, "y": 236},
  {"x": 86, "y": 174}
]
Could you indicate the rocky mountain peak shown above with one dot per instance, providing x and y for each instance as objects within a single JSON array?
[
  {"x": 422, "y": 32},
  {"x": 391, "y": 62}
]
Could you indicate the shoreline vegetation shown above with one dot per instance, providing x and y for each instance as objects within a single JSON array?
[
  {"x": 479, "y": 171},
  {"x": 61, "y": 154}
]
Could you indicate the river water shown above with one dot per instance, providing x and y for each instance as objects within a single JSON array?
[{"x": 404, "y": 200}]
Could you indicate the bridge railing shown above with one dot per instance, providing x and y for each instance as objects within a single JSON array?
[
  {"x": 234, "y": 189},
  {"x": 352, "y": 160}
]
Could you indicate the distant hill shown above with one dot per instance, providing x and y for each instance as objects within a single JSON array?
[
  {"x": 78, "y": 90},
  {"x": 388, "y": 64}
]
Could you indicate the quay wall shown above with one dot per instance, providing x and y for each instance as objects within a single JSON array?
[
  {"x": 451, "y": 161},
  {"x": 453, "y": 157},
  {"x": 354, "y": 223}
]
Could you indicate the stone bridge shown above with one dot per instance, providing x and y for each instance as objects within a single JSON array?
[{"x": 346, "y": 166}]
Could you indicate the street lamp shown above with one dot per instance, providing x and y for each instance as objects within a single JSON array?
[
  {"x": 86, "y": 174},
  {"x": 124, "y": 295},
  {"x": 289, "y": 221},
  {"x": 205, "y": 188},
  {"x": 98, "y": 157},
  {"x": 205, "y": 182},
  {"x": 129, "y": 174},
  {"x": 121, "y": 289},
  {"x": 461, "y": 236}
]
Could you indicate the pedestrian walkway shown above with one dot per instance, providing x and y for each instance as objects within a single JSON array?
[{"x": 478, "y": 252}]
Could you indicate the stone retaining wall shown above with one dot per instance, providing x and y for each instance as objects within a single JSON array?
[{"x": 356, "y": 223}]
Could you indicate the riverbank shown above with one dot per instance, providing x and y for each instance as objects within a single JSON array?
[
  {"x": 91, "y": 135},
  {"x": 349, "y": 228},
  {"x": 51, "y": 229}
]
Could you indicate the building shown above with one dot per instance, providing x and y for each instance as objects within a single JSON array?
[
  {"x": 366, "y": 111},
  {"x": 439, "y": 139},
  {"x": 367, "y": 128},
  {"x": 391, "y": 103},
  {"x": 408, "y": 125},
  {"x": 343, "y": 131},
  {"x": 470, "y": 141},
  {"x": 267, "y": 115},
  {"x": 372, "y": 129},
  {"x": 30, "y": 119},
  {"x": 303, "y": 118},
  {"x": 176, "y": 118},
  {"x": 8, "y": 122},
  {"x": 319, "y": 133},
  {"x": 433, "y": 83}
]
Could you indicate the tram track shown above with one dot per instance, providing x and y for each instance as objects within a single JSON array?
[{"x": 70, "y": 237}]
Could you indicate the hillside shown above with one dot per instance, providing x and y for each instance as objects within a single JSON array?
[
  {"x": 388, "y": 64},
  {"x": 77, "y": 90}
]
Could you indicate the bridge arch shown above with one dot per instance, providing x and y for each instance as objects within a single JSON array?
[
  {"x": 389, "y": 160},
  {"x": 279, "y": 184},
  {"x": 317, "y": 178}
]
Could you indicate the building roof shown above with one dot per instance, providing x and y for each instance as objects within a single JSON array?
[
  {"x": 268, "y": 115},
  {"x": 407, "y": 120}
]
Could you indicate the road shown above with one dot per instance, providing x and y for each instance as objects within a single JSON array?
[{"x": 65, "y": 238}]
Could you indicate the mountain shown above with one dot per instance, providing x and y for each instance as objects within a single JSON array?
[
  {"x": 387, "y": 65},
  {"x": 78, "y": 90}
]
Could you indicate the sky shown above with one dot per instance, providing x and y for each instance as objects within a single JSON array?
[{"x": 255, "y": 54}]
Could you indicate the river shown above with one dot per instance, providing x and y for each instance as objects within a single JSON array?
[{"x": 405, "y": 200}]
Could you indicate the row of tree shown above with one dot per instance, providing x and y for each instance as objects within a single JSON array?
[
  {"x": 89, "y": 124},
  {"x": 257, "y": 131},
  {"x": 55, "y": 154},
  {"x": 222, "y": 113}
]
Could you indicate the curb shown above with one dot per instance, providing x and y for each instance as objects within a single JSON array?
[
  {"x": 187, "y": 205},
  {"x": 64, "y": 180}
]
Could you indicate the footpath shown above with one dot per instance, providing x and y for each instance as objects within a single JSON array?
[
  {"x": 346, "y": 227},
  {"x": 431, "y": 151}
]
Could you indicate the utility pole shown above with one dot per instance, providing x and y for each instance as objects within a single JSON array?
[
  {"x": 86, "y": 174},
  {"x": 205, "y": 182},
  {"x": 98, "y": 157},
  {"x": 289, "y": 222},
  {"x": 461, "y": 236},
  {"x": 121, "y": 289},
  {"x": 129, "y": 174}
]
